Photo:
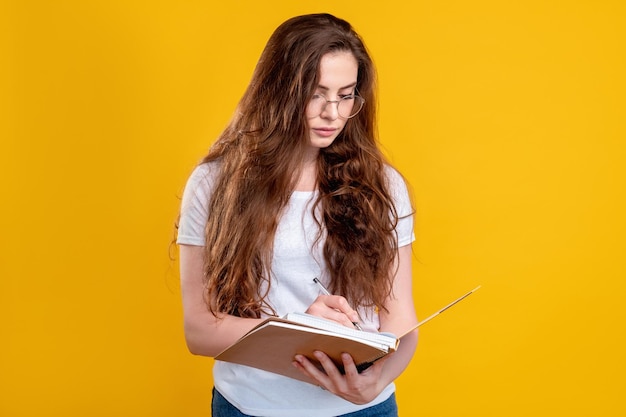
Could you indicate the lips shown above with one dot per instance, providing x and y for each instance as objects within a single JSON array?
[{"x": 325, "y": 131}]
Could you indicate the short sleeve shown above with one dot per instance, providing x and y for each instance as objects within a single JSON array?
[
  {"x": 404, "y": 208},
  {"x": 194, "y": 209}
]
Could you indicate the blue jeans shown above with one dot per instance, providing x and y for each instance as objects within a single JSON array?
[{"x": 220, "y": 407}]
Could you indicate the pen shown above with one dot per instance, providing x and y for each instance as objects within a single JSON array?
[{"x": 325, "y": 291}]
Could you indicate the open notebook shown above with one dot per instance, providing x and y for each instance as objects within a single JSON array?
[{"x": 273, "y": 344}]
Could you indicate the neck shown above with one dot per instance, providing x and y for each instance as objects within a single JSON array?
[{"x": 308, "y": 175}]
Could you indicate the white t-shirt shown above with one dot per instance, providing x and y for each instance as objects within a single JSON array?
[{"x": 296, "y": 261}]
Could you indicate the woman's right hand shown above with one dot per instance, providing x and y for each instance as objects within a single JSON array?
[{"x": 335, "y": 308}]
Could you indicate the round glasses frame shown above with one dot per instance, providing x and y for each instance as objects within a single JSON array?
[{"x": 347, "y": 106}]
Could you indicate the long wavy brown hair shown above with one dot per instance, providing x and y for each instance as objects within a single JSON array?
[{"x": 260, "y": 155}]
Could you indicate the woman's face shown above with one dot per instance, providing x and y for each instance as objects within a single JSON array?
[{"x": 338, "y": 73}]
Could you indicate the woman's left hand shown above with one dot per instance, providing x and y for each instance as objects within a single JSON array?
[
  {"x": 397, "y": 316},
  {"x": 358, "y": 388}
]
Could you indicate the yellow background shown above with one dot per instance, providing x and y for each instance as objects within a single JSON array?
[{"x": 507, "y": 117}]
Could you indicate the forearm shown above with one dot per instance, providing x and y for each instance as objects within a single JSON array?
[
  {"x": 207, "y": 335},
  {"x": 399, "y": 316},
  {"x": 399, "y": 360}
]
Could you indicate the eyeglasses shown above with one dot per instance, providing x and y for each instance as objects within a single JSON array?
[{"x": 347, "y": 106}]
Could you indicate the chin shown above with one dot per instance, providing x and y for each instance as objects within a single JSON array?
[
  {"x": 321, "y": 143},
  {"x": 318, "y": 144}
]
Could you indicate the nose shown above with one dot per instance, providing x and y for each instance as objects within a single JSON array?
[{"x": 330, "y": 110}]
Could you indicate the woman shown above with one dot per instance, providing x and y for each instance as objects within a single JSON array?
[{"x": 296, "y": 188}]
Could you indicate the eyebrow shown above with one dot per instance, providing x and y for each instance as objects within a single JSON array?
[{"x": 322, "y": 87}]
